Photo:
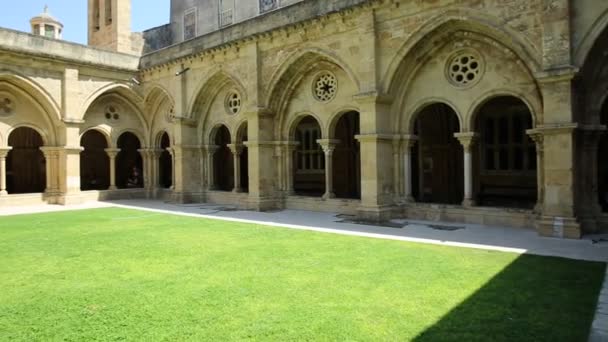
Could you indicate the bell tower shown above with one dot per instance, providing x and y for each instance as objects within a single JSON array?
[{"x": 110, "y": 25}]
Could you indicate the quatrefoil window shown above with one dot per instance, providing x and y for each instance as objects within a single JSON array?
[
  {"x": 325, "y": 87},
  {"x": 7, "y": 106},
  {"x": 233, "y": 102}
]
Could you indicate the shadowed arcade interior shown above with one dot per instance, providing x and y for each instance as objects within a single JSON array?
[
  {"x": 506, "y": 172},
  {"x": 129, "y": 164},
  {"x": 223, "y": 162},
  {"x": 25, "y": 163},
  {"x": 437, "y": 158},
  {"x": 94, "y": 162},
  {"x": 309, "y": 166},
  {"x": 347, "y": 158}
]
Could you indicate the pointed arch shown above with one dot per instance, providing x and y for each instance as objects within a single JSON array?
[
  {"x": 207, "y": 90},
  {"x": 100, "y": 130},
  {"x": 123, "y": 90},
  {"x": 441, "y": 28},
  {"x": 36, "y": 92},
  {"x": 158, "y": 104},
  {"x": 288, "y": 75},
  {"x": 581, "y": 53}
]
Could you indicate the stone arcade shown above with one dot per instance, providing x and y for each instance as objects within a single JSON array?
[{"x": 479, "y": 111}]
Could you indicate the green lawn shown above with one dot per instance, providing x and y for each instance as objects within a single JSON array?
[{"x": 117, "y": 274}]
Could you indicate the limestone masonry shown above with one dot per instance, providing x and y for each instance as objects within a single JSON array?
[{"x": 478, "y": 111}]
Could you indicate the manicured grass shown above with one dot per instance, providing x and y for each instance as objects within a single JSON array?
[{"x": 116, "y": 274}]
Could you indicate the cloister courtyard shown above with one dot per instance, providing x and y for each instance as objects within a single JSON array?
[{"x": 147, "y": 270}]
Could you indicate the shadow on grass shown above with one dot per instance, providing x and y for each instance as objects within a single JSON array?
[{"x": 533, "y": 299}]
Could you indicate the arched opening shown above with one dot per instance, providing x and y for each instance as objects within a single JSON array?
[
  {"x": 223, "y": 162},
  {"x": 165, "y": 163},
  {"x": 25, "y": 163},
  {"x": 602, "y": 161},
  {"x": 94, "y": 162},
  {"x": 309, "y": 166},
  {"x": 506, "y": 159},
  {"x": 437, "y": 158},
  {"x": 129, "y": 164},
  {"x": 243, "y": 158},
  {"x": 347, "y": 157}
]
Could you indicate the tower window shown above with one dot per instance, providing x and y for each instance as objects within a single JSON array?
[
  {"x": 49, "y": 31},
  {"x": 108, "y": 12},
  {"x": 96, "y": 14},
  {"x": 190, "y": 24}
]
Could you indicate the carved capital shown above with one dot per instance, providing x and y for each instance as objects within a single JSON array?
[
  {"x": 328, "y": 145},
  {"x": 4, "y": 151},
  {"x": 467, "y": 140},
  {"x": 112, "y": 152}
]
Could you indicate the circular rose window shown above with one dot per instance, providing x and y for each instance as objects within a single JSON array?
[
  {"x": 325, "y": 87},
  {"x": 464, "y": 69}
]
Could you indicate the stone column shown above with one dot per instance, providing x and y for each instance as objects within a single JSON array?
[
  {"x": 211, "y": 149},
  {"x": 173, "y": 171},
  {"x": 290, "y": 148},
  {"x": 3, "y": 153},
  {"x": 408, "y": 142},
  {"x": 538, "y": 140},
  {"x": 51, "y": 156},
  {"x": 467, "y": 140},
  {"x": 112, "y": 153},
  {"x": 328, "y": 149},
  {"x": 155, "y": 168},
  {"x": 398, "y": 174},
  {"x": 236, "y": 154}
]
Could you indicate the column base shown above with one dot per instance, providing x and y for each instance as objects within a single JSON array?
[
  {"x": 3, "y": 193},
  {"x": 559, "y": 227},
  {"x": 262, "y": 204},
  {"x": 112, "y": 187},
  {"x": 408, "y": 200},
  {"x": 329, "y": 195},
  {"x": 468, "y": 203},
  {"x": 237, "y": 191},
  {"x": 186, "y": 197},
  {"x": 71, "y": 199},
  {"x": 375, "y": 213}
]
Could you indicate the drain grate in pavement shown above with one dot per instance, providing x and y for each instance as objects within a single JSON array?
[
  {"x": 387, "y": 224},
  {"x": 445, "y": 228}
]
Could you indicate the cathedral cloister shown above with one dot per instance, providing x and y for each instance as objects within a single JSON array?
[{"x": 477, "y": 111}]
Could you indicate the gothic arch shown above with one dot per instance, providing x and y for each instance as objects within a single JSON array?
[
  {"x": 533, "y": 106},
  {"x": 290, "y": 127},
  {"x": 158, "y": 102},
  {"x": 422, "y": 105},
  {"x": 294, "y": 68},
  {"x": 123, "y": 90},
  {"x": 333, "y": 121},
  {"x": 34, "y": 90},
  {"x": 208, "y": 89},
  {"x": 441, "y": 27},
  {"x": 138, "y": 134},
  {"x": 40, "y": 131},
  {"x": 590, "y": 38},
  {"x": 101, "y": 130}
]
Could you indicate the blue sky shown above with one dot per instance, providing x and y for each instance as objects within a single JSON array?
[{"x": 73, "y": 15}]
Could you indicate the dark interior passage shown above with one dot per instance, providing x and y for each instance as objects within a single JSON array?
[
  {"x": 25, "y": 163},
  {"x": 129, "y": 164},
  {"x": 94, "y": 162},
  {"x": 165, "y": 163},
  {"x": 438, "y": 157},
  {"x": 309, "y": 162},
  {"x": 223, "y": 161},
  {"x": 506, "y": 159},
  {"x": 346, "y": 158}
]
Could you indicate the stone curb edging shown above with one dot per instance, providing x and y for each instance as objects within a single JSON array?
[{"x": 599, "y": 328}]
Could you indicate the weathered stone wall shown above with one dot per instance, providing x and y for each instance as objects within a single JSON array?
[{"x": 157, "y": 38}]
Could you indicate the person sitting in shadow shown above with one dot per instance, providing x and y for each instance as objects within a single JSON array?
[{"x": 134, "y": 179}]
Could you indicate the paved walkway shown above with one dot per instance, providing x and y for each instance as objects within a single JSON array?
[{"x": 514, "y": 240}]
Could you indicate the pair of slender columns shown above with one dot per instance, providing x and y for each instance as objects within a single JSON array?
[
  {"x": 3, "y": 153},
  {"x": 211, "y": 150}
]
